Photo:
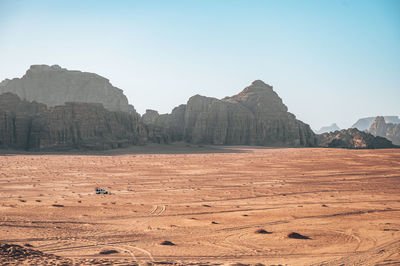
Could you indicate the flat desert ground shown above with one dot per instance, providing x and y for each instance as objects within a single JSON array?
[{"x": 210, "y": 203}]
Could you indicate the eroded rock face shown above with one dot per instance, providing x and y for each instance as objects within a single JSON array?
[
  {"x": 15, "y": 120},
  {"x": 53, "y": 85},
  {"x": 170, "y": 126},
  {"x": 150, "y": 117},
  {"x": 84, "y": 125},
  {"x": 256, "y": 116},
  {"x": 387, "y": 130},
  {"x": 352, "y": 138},
  {"x": 31, "y": 126}
]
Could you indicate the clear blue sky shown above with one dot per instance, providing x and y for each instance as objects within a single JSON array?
[{"x": 330, "y": 61}]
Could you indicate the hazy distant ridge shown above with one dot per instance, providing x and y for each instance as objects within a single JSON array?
[
  {"x": 328, "y": 129},
  {"x": 365, "y": 123}
]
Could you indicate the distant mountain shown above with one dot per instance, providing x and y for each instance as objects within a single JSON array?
[
  {"x": 331, "y": 128},
  {"x": 353, "y": 138},
  {"x": 53, "y": 85},
  {"x": 365, "y": 123},
  {"x": 387, "y": 130},
  {"x": 255, "y": 116}
]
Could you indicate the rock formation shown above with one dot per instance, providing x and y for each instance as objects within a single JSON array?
[
  {"x": 387, "y": 130},
  {"x": 53, "y": 85},
  {"x": 32, "y": 126},
  {"x": 150, "y": 117},
  {"x": 170, "y": 125},
  {"x": 256, "y": 116},
  {"x": 365, "y": 123},
  {"x": 85, "y": 125},
  {"x": 352, "y": 138},
  {"x": 328, "y": 129},
  {"x": 85, "y": 111},
  {"x": 16, "y": 118}
]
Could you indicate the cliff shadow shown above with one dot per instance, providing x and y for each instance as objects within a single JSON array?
[{"x": 151, "y": 148}]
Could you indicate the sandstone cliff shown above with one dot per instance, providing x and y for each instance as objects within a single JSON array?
[
  {"x": 53, "y": 85},
  {"x": 171, "y": 126},
  {"x": 86, "y": 111},
  {"x": 256, "y": 116},
  {"x": 352, "y": 138},
  {"x": 387, "y": 130},
  {"x": 84, "y": 125},
  {"x": 16, "y": 118},
  {"x": 31, "y": 126}
]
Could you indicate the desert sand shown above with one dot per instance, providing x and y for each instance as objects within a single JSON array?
[{"x": 211, "y": 205}]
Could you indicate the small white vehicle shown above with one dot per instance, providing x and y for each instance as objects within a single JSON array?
[{"x": 101, "y": 191}]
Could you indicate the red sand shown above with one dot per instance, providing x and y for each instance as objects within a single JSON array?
[{"x": 177, "y": 197}]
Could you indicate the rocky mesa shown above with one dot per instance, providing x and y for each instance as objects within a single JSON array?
[
  {"x": 33, "y": 126},
  {"x": 255, "y": 116},
  {"x": 54, "y": 108},
  {"x": 53, "y": 85}
]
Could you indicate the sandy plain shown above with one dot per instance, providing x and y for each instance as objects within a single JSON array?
[{"x": 209, "y": 202}]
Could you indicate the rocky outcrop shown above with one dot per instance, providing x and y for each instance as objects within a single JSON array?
[
  {"x": 150, "y": 117},
  {"x": 33, "y": 126},
  {"x": 365, "y": 123},
  {"x": 84, "y": 125},
  {"x": 170, "y": 126},
  {"x": 353, "y": 139},
  {"x": 387, "y": 130},
  {"x": 331, "y": 128},
  {"x": 256, "y": 116},
  {"x": 53, "y": 85}
]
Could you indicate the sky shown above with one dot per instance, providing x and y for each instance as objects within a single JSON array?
[{"x": 330, "y": 61}]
